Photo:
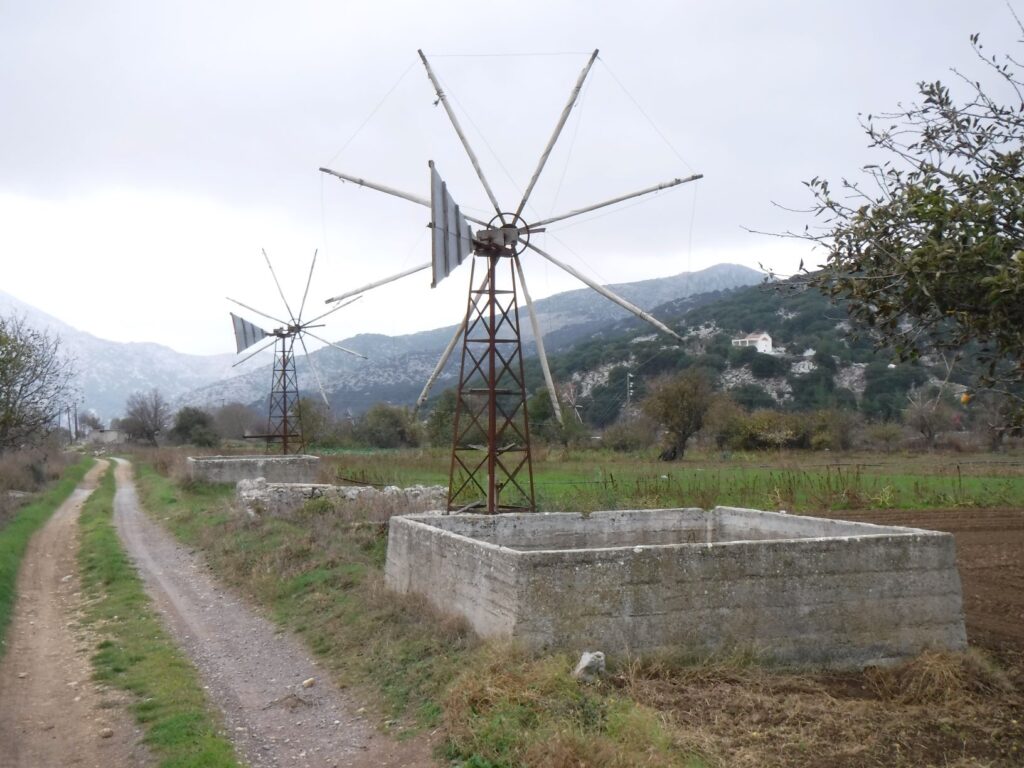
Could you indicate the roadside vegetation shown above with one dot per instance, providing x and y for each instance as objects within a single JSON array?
[
  {"x": 134, "y": 652},
  {"x": 22, "y": 522},
  {"x": 489, "y": 705}
]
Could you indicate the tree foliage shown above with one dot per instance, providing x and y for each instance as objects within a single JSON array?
[
  {"x": 927, "y": 248},
  {"x": 679, "y": 403},
  {"x": 35, "y": 383},
  {"x": 194, "y": 426}
]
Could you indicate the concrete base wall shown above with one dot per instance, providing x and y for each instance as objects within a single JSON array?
[
  {"x": 274, "y": 469},
  {"x": 793, "y": 589},
  {"x": 283, "y": 499}
]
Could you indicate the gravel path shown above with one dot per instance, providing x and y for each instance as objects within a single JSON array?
[
  {"x": 254, "y": 672},
  {"x": 51, "y": 713}
]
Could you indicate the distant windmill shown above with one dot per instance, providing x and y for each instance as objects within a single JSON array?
[
  {"x": 282, "y": 427},
  {"x": 491, "y": 447}
]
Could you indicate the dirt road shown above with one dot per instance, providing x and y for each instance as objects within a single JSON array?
[
  {"x": 51, "y": 713},
  {"x": 253, "y": 670}
]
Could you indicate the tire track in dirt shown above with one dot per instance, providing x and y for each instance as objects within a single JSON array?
[
  {"x": 51, "y": 713},
  {"x": 253, "y": 671}
]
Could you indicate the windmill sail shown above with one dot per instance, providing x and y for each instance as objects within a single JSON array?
[
  {"x": 452, "y": 237},
  {"x": 246, "y": 334}
]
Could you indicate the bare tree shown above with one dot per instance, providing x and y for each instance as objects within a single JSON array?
[
  {"x": 146, "y": 416},
  {"x": 35, "y": 383}
]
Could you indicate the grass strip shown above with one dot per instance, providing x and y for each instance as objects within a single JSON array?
[
  {"x": 137, "y": 655},
  {"x": 323, "y": 578},
  {"x": 14, "y": 537}
]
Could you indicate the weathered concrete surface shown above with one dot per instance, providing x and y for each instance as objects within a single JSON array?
[
  {"x": 275, "y": 469},
  {"x": 792, "y": 589},
  {"x": 283, "y": 499}
]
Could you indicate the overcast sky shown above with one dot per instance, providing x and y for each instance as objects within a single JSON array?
[{"x": 148, "y": 151}]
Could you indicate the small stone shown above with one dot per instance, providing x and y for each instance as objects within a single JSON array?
[
  {"x": 106, "y": 733},
  {"x": 309, "y": 682},
  {"x": 590, "y": 667}
]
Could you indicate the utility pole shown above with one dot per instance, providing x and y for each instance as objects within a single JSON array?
[{"x": 629, "y": 387}]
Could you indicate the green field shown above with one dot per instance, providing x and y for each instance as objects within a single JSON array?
[{"x": 588, "y": 480}]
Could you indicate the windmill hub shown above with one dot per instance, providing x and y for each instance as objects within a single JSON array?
[{"x": 505, "y": 235}]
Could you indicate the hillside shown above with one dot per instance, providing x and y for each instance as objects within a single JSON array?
[
  {"x": 398, "y": 366},
  {"x": 816, "y": 361},
  {"x": 110, "y": 371}
]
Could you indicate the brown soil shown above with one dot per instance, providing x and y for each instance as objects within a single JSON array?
[{"x": 51, "y": 713}]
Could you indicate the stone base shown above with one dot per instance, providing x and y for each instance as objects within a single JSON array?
[
  {"x": 792, "y": 589},
  {"x": 275, "y": 469}
]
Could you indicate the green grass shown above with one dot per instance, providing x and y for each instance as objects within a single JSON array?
[
  {"x": 137, "y": 655},
  {"x": 14, "y": 537},
  {"x": 586, "y": 480}
]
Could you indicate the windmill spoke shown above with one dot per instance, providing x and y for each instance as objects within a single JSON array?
[
  {"x": 391, "y": 191},
  {"x": 462, "y": 136},
  {"x": 607, "y": 293},
  {"x": 262, "y": 314},
  {"x": 336, "y": 346},
  {"x": 378, "y": 283},
  {"x": 558, "y": 130},
  {"x": 330, "y": 311},
  {"x": 309, "y": 280},
  {"x": 265, "y": 346},
  {"x": 614, "y": 200},
  {"x": 440, "y": 366},
  {"x": 278, "y": 284},
  {"x": 316, "y": 374}
]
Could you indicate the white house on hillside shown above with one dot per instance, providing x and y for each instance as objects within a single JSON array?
[{"x": 762, "y": 341}]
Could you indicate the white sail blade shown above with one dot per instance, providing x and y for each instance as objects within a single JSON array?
[
  {"x": 608, "y": 294},
  {"x": 539, "y": 340},
  {"x": 246, "y": 333},
  {"x": 558, "y": 130},
  {"x": 621, "y": 198},
  {"x": 247, "y": 357}
]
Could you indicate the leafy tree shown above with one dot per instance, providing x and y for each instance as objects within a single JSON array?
[
  {"x": 928, "y": 249},
  {"x": 679, "y": 403},
  {"x": 388, "y": 426},
  {"x": 441, "y": 421},
  {"x": 35, "y": 383},
  {"x": 146, "y": 416},
  {"x": 768, "y": 366},
  {"x": 751, "y": 396},
  {"x": 194, "y": 426}
]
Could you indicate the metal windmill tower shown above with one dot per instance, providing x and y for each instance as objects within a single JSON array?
[
  {"x": 283, "y": 427},
  {"x": 491, "y": 465}
]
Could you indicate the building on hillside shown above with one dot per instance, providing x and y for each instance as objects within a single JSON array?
[{"x": 761, "y": 340}]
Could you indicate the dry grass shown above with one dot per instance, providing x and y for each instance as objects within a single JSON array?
[{"x": 939, "y": 709}]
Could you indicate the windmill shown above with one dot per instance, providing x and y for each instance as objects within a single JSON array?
[
  {"x": 282, "y": 427},
  {"x": 490, "y": 459}
]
